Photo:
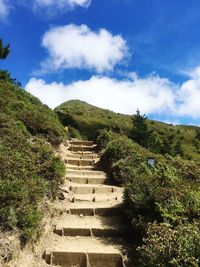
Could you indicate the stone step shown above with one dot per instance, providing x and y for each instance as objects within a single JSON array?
[
  {"x": 91, "y": 173},
  {"x": 91, "y": 189},
  {"x": 97, "y": 232},
  {"x": 84, "y": 143},
  {"x": 83, "y": 152},
  {"x": 74, "y": 225},
  {"x": 106, "y": 208},
  {"x": 80, "y": 259},
  {"x": 80, "y": 162},
  {"x": 70, "y": 251},
  {"x": 77, "y": 148},
  {"x": 98, "y": 211},
  {"x": 87, "y": 180},
  {"x": 70, "y": 167},
  {"x": 84, "y": 156},
  {"x": 96, "y": 197}
]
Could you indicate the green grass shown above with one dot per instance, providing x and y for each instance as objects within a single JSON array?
[{"x": 89, "y": 119}]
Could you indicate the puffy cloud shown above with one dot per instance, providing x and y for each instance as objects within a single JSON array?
[
  {"x": 189, "y": 95},
  {"x": 51, "y": 7},
  {"x": 60, "y": 4},
  {"x": 74, "y": 46},
  {"x": 4, "y": 9},
  {"x": 151, "y": 95}
]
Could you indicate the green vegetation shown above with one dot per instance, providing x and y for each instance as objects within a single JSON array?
[
  {"x": 37, "y": 118},
  {"x": 29, "y": 169},
  {"x": 89, "y": 119},
  {"x": 4, "y": 50},
  {"x": 162, "y": 202},
  {"x": 141, "y": 133},
  {"x": 165, "y": 246},
  {"x": 165, "y": 138}
]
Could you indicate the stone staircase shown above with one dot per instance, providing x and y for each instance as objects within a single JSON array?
[{"x": 90, "y": 231}]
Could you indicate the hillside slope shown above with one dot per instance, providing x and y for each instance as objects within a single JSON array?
[
  {"x": 89, "y": 120},
  {"x": 29, "y": 169}
]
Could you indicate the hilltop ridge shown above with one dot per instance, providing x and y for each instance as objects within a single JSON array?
[{"x": 88, "y": 120}]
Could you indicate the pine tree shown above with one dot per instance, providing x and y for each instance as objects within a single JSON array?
[
  {"x": 140, "y": 132},
  {"x": 197, "y": 134},
  {"x": 178, "y": 150},
  {"x": 166, "y": 147},
  {"x": 4, "y": 50}
]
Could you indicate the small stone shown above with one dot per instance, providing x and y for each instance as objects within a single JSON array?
[{"x": 81, "y": 215}]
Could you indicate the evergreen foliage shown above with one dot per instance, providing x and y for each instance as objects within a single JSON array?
[
  {"x": 140, "y": 132},
  {"x": 4, "y": 50}
]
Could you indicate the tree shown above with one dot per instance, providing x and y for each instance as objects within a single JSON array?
[
  {"x": 166, "y": 146},
  {"x": 178, "y": 150},
  {"x": 4, "y": 50},
  {"x": 197, "y": 134},
  {"x": 140, "y": 132}
]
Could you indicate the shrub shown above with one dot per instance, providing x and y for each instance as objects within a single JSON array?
[
  {"x": 29, "y": 171},
  {"x": 37, "y": 118},
  {"x": 151, "y": 194},
  {"x": 104, "y": 138},
  {"x": 119, "y": 148},
  {"x": 74, "y": 133},
  {"x": 165, "y": 246}
]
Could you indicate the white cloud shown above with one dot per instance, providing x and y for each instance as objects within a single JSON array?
[
  {"x": 189, "y": 95},
  {"x": 50, "y": 7},
  {"x": 74, "y": 46},
  {"x": 4, "y": 9},
  {"x": 60, "y": 4},
  {"x": 151, "y": 95}
]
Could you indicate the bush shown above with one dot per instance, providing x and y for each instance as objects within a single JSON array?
[
  {"x": 118, "y": 149},
  {"x": 37, "y": 118},
  {"x": 104, "y": 138},
  {"x": 74, "y": 133},
  {"x": 165, "y": 246},
  {"x": 29, "y": 171},
  {"x": 165, "y": 194},
  {"x": 122, "y": 158}
]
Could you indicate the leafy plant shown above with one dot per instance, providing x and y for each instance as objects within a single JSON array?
[
  {"x": 29, "y": 171},
  {"x": 168, "y": 247}
]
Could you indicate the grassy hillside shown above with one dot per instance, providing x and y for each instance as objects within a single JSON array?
[
  {"x": 89, "y": 120},
  {"x": 29, "y": 170}
]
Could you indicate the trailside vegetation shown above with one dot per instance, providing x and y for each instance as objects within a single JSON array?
[
  {"x": 162, "y": 202},
  {"x": 30, "y": 172}
]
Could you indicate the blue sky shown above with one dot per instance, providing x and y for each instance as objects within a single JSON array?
[{"x": 116, "y": 54}]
